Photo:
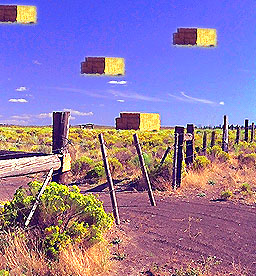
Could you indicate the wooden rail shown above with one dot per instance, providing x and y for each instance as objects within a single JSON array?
[{"x": 28, "y": 165}]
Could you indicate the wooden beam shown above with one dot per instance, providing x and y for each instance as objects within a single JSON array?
[{"x": 29, "y": 165}]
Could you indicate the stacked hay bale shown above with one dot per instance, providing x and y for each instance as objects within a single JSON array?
[{"x": 138, "y": 121}]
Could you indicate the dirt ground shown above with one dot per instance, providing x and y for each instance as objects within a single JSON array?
[
  {"x": 180, "y": 230},
  {"x": 175, "y": 232}
]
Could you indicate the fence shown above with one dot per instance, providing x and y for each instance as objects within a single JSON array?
[
  {"x": 16, "y": 163},
  {"x": 13, "y": 164}
]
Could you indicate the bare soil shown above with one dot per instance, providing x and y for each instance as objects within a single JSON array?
[
  {"x": 175, "y": 232},
  {"x": 179, "y": 230}
]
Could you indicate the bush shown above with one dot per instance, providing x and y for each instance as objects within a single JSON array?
[
  {"x": 114, "y": 164},
  {"x": 97, "y": 172},
  {"x": 245, "y": 187},
  {"x": 226, "y": 194},
  {"x": 147, "y": 160},
  {"x": 217, "y": 152},
  {"x": 201, "y": 162},
  {"x": 4, "y": 273},
  {"x": 82, "y": 164},
  {"x": 64, "y": 216},
  {"x": 248, "y": 160}
]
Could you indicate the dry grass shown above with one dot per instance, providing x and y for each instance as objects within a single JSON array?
[
  {"x": 223, "y": 176},
  {"x": 22, "y": 257}
]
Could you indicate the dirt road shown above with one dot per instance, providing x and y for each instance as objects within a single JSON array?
[{"x": 178, "y": 230}]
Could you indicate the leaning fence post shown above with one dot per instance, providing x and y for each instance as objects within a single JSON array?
[
  {"x": 178, "y": 156},
  {"x": 144, "y": 170},
  {"x": 204, "y": 142},
  {"x": 213, "y": 139},
  {"x": 190, "y": 145},
  {"x": 165, "y": 155},
  {"x": 46, "y": 181},
  {"x": 237, "y": 134},
  {"x": 109, "y": 179},
  {"x": 252, "y": 132},
  {"x": 246, "y": 130},
  {"x": 225, "y": 134},
  {"x": 60, "y": 144}
]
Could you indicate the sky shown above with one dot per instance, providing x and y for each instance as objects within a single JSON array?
[{"x": 40, "y": 63}]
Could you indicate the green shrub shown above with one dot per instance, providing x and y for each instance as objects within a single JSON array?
[
  {"x": 114, "y": 164},
  {"x": 245, "y": 187},
  {"x": 248, "y": 160},
  {"x": 147, "y": 160},
  {"x": 217, "y": 152},
  {"x": 4, "y": 272},
  {"x": 64, "y": 215},
  {"x": 97, "y": 172},
  {"x": 82, "y": 164},
  {"x": 201, "y": 162},
  {"x": 226, "y": 194}
]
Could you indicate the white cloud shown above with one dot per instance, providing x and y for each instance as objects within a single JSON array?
[
  {"x": 78, "y": 90},
  {"x": 21, "y": 117},
  {"x": 22, "y": 88},
  {"x": 44, "y": 115},
  {"x": 121, "y": 101},
  {"x": 78, "y": 113},
  {"x": 135, "y": 96},
  {"x": 18, "y": 101},
  {"x": 14, "y": 122},
  {"x": 117, "y": 82},
  {"x": 187, "y": 98},
  {"x": 37, "y": 62},
  {"x": 221, "y": 103}
]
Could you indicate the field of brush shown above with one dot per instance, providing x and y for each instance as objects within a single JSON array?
[
  {"x": 214, "y": 174},
  {"x": 64, "y": 243}
]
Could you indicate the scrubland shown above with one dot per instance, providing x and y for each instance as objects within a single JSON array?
[{"x": 78, "y": 246}]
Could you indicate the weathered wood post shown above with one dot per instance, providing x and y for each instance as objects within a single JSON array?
[
  {"x": 46, "y": 181},
  {"x": 225, "y": 134},
  {"x": 109, "y": 179},
  {"x": 165, "y": 155},
  {"x": 190, "y": 145},
  {"x": 60, "y": 144},
  {"x": 237, "y": 134},
  {"x": 252, "y": 132},
  {"x": 144, "y": 170},
  {"x": 246, "y": 130},
  {"x": 178, "y": 156},
  {"x": 213, "y": 139},
  {"x": 204, "y": 142}
]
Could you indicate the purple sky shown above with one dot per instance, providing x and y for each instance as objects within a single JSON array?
[{"x": 40, "y": 64}]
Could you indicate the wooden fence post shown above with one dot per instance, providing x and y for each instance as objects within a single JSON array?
[
  {"x": 237, "y": 134},
  {"x": 144, "y": 170},
  {"x": 60, "y": 143},
  {"x": 178, "y": 156},
  {"x": 109, "y": 179},
  {"x": 225, "y": 134},
  {"x": 246, "y": 130},
  {"x": 213, "y": 139},
  {"x": 190, "y": 145},
  {"x": 46, "y": 181},
  {"x": 165, "y": 155},
  {"x": 175, "y": 160},
  {"x": 204, "y": 142},
  {"x": 252, "y": 133}
]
